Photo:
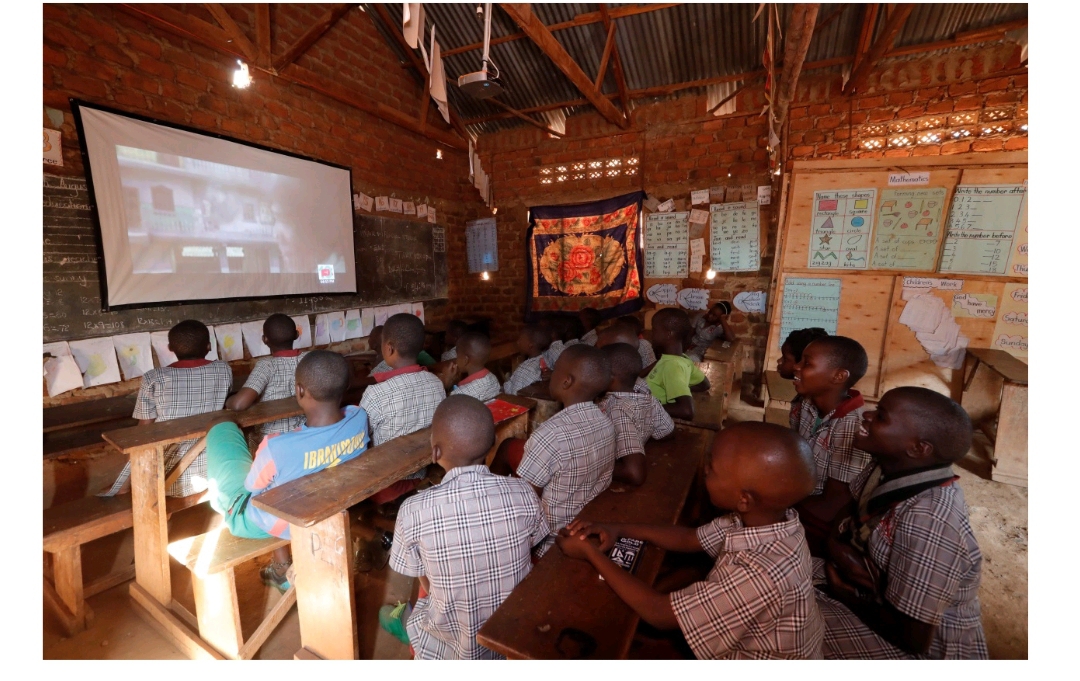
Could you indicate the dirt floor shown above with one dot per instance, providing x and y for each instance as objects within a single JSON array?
[{"x": 998, "y": 515}]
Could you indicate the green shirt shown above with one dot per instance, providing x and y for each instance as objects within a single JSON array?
[
  {"x": 672, "y": 376},
  {"x": 424, "y": 359}
]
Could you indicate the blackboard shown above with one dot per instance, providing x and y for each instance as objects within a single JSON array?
[{"x": 398, "y": 261}]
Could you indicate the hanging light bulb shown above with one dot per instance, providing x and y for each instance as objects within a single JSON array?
[
  {"x": 438, "y": 154},
  {"x": 241, "y": 77},
  {"x": 485, "y": 276},
  {"x": 710, "y": 274},
  {"x": 494, "y": 210}
]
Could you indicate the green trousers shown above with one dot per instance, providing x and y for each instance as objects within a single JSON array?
[{"x": 228, "y": 461}]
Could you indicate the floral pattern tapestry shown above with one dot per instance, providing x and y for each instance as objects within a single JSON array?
[{"x": 585, "y": 255}]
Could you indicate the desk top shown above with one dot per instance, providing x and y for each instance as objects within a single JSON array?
[
  {"x": 84, "y": 413},
  {"x": 128, "y": 440},
  {"x": 538, "y": 391},
  {"x": 724, "y": 351},
  {"x": 780, "y": 388},
  {"x": 316, "y": 497},
  {"x": 710, "y": 407},
  {"x": 561, "y": 593},
  {"x": 1002, "y": 362}
]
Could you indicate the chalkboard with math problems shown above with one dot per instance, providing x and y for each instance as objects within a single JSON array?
[{"x": 397, "y": 261}]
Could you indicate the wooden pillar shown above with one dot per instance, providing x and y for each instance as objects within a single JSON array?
[
  {"x": 150, "y": 523},
  {"x": 325, "y": 599}
]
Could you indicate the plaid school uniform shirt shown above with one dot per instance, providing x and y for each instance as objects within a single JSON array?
[
  {"x": 931, "y": 564},
  {"x": 184, "y": 388},
  {"x": 274, "y": 378},
  {"x": 471, "y": 536},
  {"x": 832, "y": 438},
  {"x": 555, "y": 350},
  {"x": 590, "y": 338},
  {"x": 527, "y": 373},
  {"x": 571, "y": 457},
  {"x": 645, "y": 351},
  {"x": 448, "y": 355},
  {"x": 758, "y": 600},
  {"x": 641, "y": 386},
  {"x": 401, "y": 402},
  {"x": 482, "y": 385},
  {"x": 704, "y": 335},
  {"x": 644, "y": 412}
]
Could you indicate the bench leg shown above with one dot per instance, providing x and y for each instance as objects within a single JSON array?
[
  {"x": 1010, "y": 444},
  {"x": 150, "y": 523},
  {"x": 65, "y": 595},
  {"x": 267, "y": 626},
  {"x": 218, "y": 611},
  {"x": 325, "y": 599}
]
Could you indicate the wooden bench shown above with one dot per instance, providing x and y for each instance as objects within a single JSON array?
[
  {"x": 994, "y": 393},
  {"x": 145, "y": 445},
  {"x": 316, "y": 508},
  {"x": 212, "y": 559},
  {"x": 710, "y": 407},
  {"x": 562, "y": 594},
  {"x": 546, "y": 405},
  {"x": 77, "y": 428},
  {"x": 779, "y": 394}
]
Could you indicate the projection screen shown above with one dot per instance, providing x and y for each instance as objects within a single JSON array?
[{"x": 186, "y": 216}]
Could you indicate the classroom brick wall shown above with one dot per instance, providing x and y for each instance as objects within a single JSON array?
[
  {"x": 102, "y": 54},
  {"x": 680, "y": 148}
]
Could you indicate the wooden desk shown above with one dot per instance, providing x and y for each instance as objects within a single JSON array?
[
  {"x": 994, "y": 393},
  {"x": 546, "y": 405},
  {"x": 779, "y": 394},
  {"x": 501, "y": 360},
  {"x": 561, "y": 593},
  {"x": 145, "y": 445},
  {"x": 710, "y": 407},
  {"x": 316, "y": 507}
]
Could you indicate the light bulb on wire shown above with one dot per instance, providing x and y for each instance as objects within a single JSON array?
[
  {"x": 241, "y": 77},
  {"x": 485, "y": 276}
]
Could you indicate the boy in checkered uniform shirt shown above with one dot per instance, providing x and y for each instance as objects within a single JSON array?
[
  {"x": 473, "y": 378},
  {"x": 708, "y": 327},
  {"x": 828, "y": 416},
  {"x": 189, "y": 386},
  {"x": 532, "y": 342},
  {"x": 454, "y": 331},
  {"x": 637, "y": 418},
  {"x": 644, "y": 345},
  {"x": 273, "y": 378},
  {"x": 468, "y": 539},
  {"x": 570, "y": 457},
  {"x": 404, "y": 399},
  {"x": 758, "y": 600},
  {"x": 904, "y": 566},
  {"x": 624, "y": 332}
]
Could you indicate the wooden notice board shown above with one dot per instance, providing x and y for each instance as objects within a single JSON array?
[{"x": 875, "y": 226}]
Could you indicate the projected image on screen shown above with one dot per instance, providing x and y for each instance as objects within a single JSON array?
[
  {"x": 189, "y": 215},
  {"x": 185, "y": 216}
]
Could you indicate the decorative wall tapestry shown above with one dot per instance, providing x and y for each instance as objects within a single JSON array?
[{"x": 585, "y": 255}]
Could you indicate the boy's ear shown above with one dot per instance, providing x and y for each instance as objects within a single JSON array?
[
  {"x": 746, "y": 501},
  {"x": 436, "y": 453},
  {"x": 841, "y": 376},
  {"x": 921, "y": 449},
  {"x": 300, "y": 392},
  {"x": 264, "y": 341}
]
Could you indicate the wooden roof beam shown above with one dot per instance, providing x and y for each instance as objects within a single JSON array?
[
  {"x": 609, "y": 43},
  {"x": 530, "y": 24},
  {"x": 217, "y": 10},
  {"x": 580, "y": 20},
  {"x": 528, "y": 119},
  {"x": 800, "y": 29},
  {"x": 312, "y": 35},
  {"x": 893, "y": 25},
  {"x": 620, "y": 77},
  {"x": 866, "y": 32},
  {"x": 262, "y": 33}
]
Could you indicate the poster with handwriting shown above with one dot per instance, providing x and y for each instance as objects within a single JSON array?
[
  {"x": 482, "y": 245},
  {"x": 809, "y": 302},
  {"x": 908, "y": 228},
  {"x": 983, "y": 222},
  {"x": 1011, "y": 330},
  {"x": 667, "y": 237},
  {"x": 1018, "y": 261},
  {"x": 735, "y": 237},
  {"x": 840, "y": 229}
]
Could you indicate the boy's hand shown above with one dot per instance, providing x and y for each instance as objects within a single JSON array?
[
  {"x": 606, "y": 534},
  {"x": 545, "y": 374},
  {"x": 575, "y": 546},
  {"x": 841, "y": 589}
]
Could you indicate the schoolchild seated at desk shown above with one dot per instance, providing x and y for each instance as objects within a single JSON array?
[
  {"x": 708, "y": 327},
  {"x": 637, "y": 418},
  {"x": 570, "y": 457},
  {"x": 758, "y": 601},
  {"x": 467, "y": 374},
  {"x": 643, "y": 344},
  {"x": 189, "y": 386},
  {"x": 674, "y": 377},
  {"x": 468, "y": 539},
  {"x": 375, "y": 344},
  {"x": 454, "y": 330},
  {"x": 791, "y": 350},
  {"x": 565, "y": 331},
  {"x": 624, "y": 332},
  {"x": 531, "y": 342},
  {"x": 273, "y": 378}
]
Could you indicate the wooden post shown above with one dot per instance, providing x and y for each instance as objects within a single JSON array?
[
  {"x": 218, "y": 612},
  {"x": 1010, "y": 443},
  {"x": 325, "y": 600},
  {"x": 150, "y": 524},
  {"x": 67, "y": 579}
]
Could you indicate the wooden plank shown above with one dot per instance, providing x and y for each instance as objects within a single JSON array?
[
  {"x": 528, "y": 119},
  {"x": 617, "y": 66},
  {"x": 780, "y": 388},
  {"x": 1006, "y": 159},
  {"x": 305, "y": 654},
  {"x": 312, "y": 498},
  {"x": 1012, "y": 369},
  {"x": 80, "y": 440},
  {"x": 312, "y": 35},
  {"x": 71, "y": 623},
  {"x": 129, "y": 440},
  {"x": 262, "y": 33},
  {"x": 67, "y": 580},
  {"x": 109, "y": 581},
  {"x": 269, "y": 624},
  {"x": 181, "y": 466},
  {"x": 86, "y": 413},
  {"x": 85, "y": 520},
  {"x": 866, "y": 32},
  {"x": 601, "y": 70},
  {"x": 218, "y": 612},
  {"x": 800, "y": 29},
  {"x": 221, "y": 15},
  {"x": 218, "y": 550},
  {"x": 325, "y": 599},
  {"x": 893, "y": 25},
  {"x": 166, "y": 623},
  {"x": 710, "y": 407},
  {"x": 560, "y": 593},
  {"x": 531, "y": 25},
  {"x": 150, "y": 524},
  {"x": 1011, "y": 441}
]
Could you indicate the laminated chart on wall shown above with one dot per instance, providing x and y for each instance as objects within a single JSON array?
[
  {"x": 481, "y": 242},
  {"x": 1011, "y": 331},
  {"x": 735, "y": 237},
  {"x": 983, "y": 222},
  {"x": 908, "y": 229},
  {"x": 667, "y": 237},
  {"x": 840, "y": 229},
  {"x": 807, "y": 303},
  {"x": 1018, "y": 261}
]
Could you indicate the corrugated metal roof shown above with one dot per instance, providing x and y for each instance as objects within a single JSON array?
[{"x": 688, "y": 42}]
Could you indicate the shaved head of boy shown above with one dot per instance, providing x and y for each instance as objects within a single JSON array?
[
  {"x": 473, "y": 347},
  {"x": 279, "y": 332},
  {"x": 619, "y": 332},
  {"x": 533, "y": 339},
  {"x": 402, "y": 338},
  {"x": 581, "y": 373},
  {"x": 190, "y": 339},
  {"x": 836, "y": 361},
  {"x": 462, "y": 432},
  {"x": 671, "y": 330},
  {"x": 625, "y": 366},
  {"x": 915, "y": 428},
  {"x": 323, "y": 375}
]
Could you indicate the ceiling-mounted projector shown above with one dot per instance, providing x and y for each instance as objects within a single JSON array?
[{"x": 481, "y": 84}]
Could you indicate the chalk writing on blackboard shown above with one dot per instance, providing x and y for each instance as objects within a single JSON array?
[
  {"x": 983, "y": 222},
  {"x": 840, "y": 229},
  {"x": 666, "y": 239},
  {"x": 807, "y": 303}
]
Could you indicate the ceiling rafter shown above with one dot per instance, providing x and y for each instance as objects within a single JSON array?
[
  {"x": 893, "y": 25},
  {"x": 620, "y": 77},
  {"x": 312, "y": 35},
  {"x": 262, "y": 33},
  {"x": 217, "y": 10},
  {"x": 800, "y": 29}
]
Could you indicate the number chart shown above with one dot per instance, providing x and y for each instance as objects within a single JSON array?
[
  {"x": 807, "y": 303},
  {"x": 983, "y": 222},
  {"x": 666, "y": 245},
  {"x": 735, "y": 237},
  {"x": 840, "y": 229}
]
